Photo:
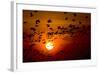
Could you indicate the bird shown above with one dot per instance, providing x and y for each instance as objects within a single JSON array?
[
  {"x": 35, "y": 11},
  {"x": 37, "y": 21},
  {"x": 51, "y": 29},
  {"x": 66, "y": 18},
  {"x": 59, "y": 27},
  {"x": 74, "y": 14},
  {"x": 65, "y": 12},
  {"x": 25, "y": 22},
  {"x": 49, "y": 21},
  {"x": 31, "y": 14},
  {"x": 32, "y": 28},
  {"x": 80, "y": 22},
  {"x": 48, "y": 25}
]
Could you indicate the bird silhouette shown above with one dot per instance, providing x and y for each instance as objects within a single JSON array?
[
  {"x": 32, "y": 28},
  {"x": 37, "y": 21},
  {"x": 48, "y": 25},
  {"x": 35, "y": 11},
  {"x": 66, "y": 18},
  {"x": 31, "y": 14},
  {"x": 74, "y": 14},
  {"x": 49, "y": 21}
]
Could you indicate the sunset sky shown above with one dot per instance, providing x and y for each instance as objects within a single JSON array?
[{"x": 56, "y": 36}]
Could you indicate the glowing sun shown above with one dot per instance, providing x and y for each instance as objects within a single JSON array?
[{"x": 49, "y": 45}]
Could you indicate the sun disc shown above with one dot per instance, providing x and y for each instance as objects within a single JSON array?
[{"x": 49, "y": 45}]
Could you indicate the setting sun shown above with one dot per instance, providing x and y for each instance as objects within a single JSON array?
[{"x": 49, "y": 45}]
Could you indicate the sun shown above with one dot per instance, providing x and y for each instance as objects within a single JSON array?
[{"x": 49, "y": 45}]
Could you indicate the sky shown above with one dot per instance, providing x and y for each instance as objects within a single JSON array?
[{"x": 68, "y": 32}]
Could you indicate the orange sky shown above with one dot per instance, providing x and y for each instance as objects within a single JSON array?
[{"x": 61, "y": 28}]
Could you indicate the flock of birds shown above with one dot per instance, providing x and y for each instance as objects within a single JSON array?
[{"x": 61, "y": 30}]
